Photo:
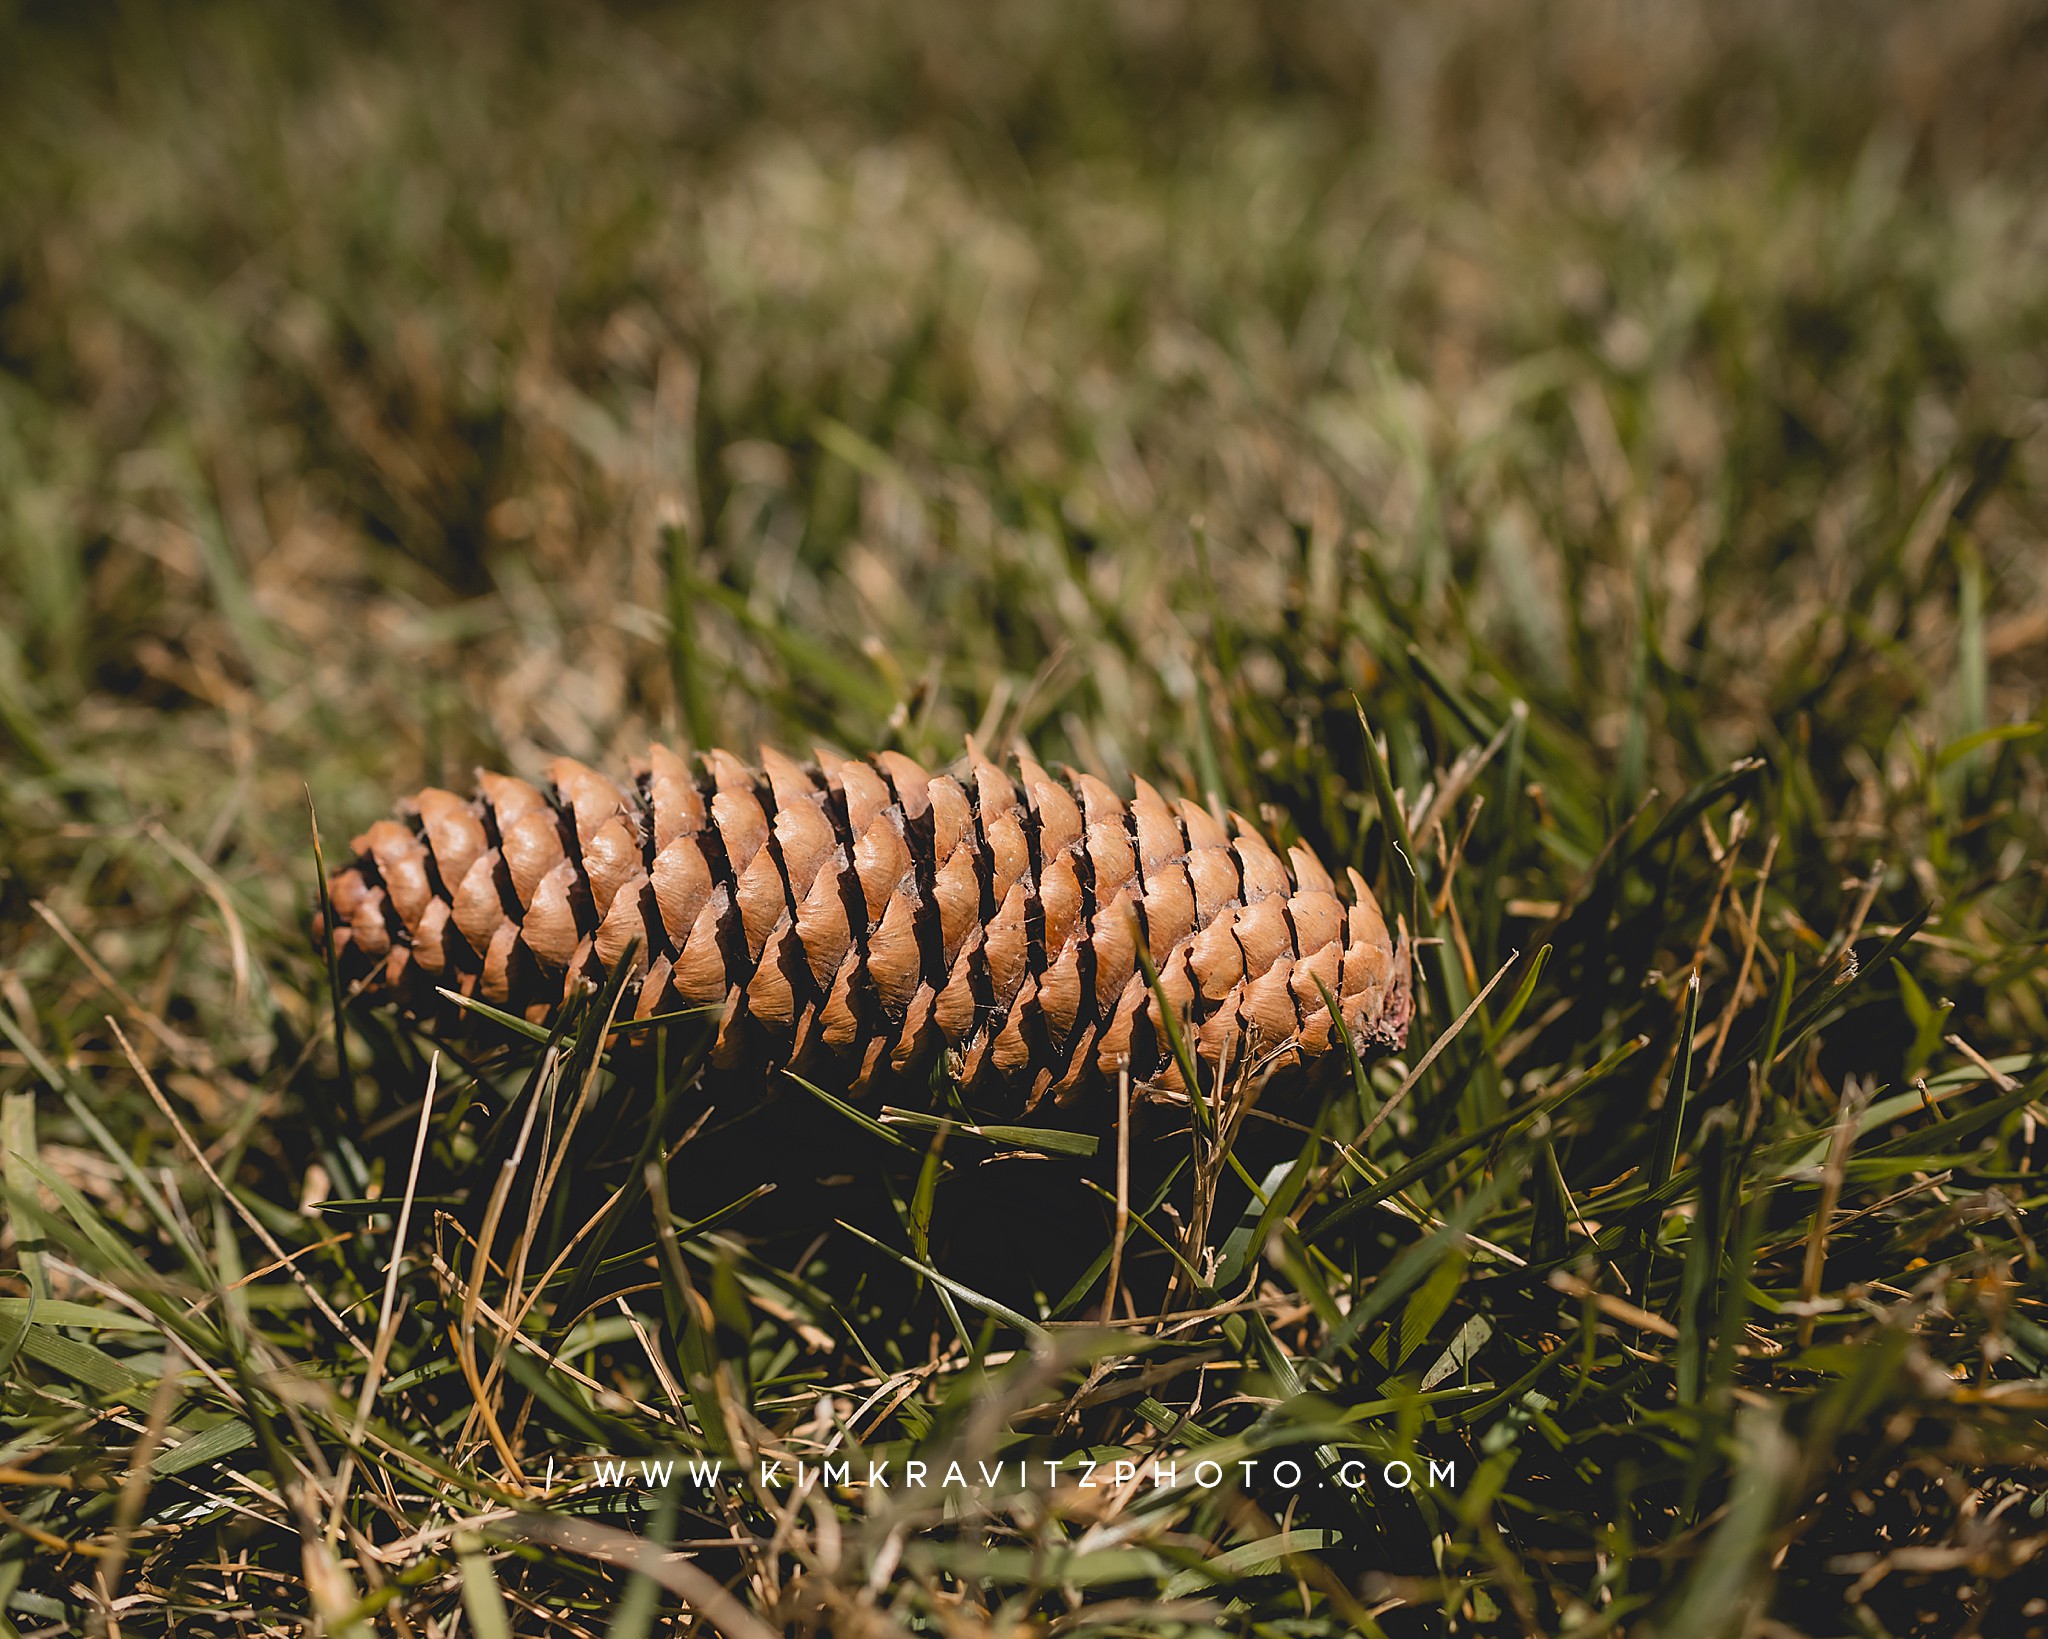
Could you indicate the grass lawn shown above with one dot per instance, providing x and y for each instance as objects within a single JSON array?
[{"x": 1585, "y": 467}]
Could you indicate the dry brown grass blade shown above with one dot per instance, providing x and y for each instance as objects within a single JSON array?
[
  {"x": 193, "y": 1055},
  {"x": 1122, "y": 1224},
  {"x": 1612, "y": 1307},
  {"x": 1854, "y": 1097},
  {"x": 700, "y": 1593},
  {"x": 483, "y": 1409},
  {"x": 387, "y": 1315},
  {"x": 1998, "y": 1078},
  {"x": 216, "y": 890},
  {"x": 1752, "y": 931},
  {"x": 255, "y": 1224},
  {"x": 134, "y": 1493},
  {"x": 606, "y": 1396},
  {"x": 1435, "y": 1049}
]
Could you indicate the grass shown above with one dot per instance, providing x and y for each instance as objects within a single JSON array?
[{"x": 1637, "y": 417}]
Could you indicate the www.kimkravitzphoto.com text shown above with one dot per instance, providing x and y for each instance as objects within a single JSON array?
[{"x": 1043, "y": 1474}]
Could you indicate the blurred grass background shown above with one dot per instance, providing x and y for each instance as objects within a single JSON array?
[{"x": 387, "y": 390}]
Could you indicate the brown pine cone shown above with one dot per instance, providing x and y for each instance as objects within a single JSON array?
[{"x": 863, "y": 914}]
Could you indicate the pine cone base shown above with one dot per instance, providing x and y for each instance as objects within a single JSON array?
[{"x": 853, "y": 918}]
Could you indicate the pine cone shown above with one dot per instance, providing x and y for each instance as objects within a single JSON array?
[{"x": 864, "y": 914}]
